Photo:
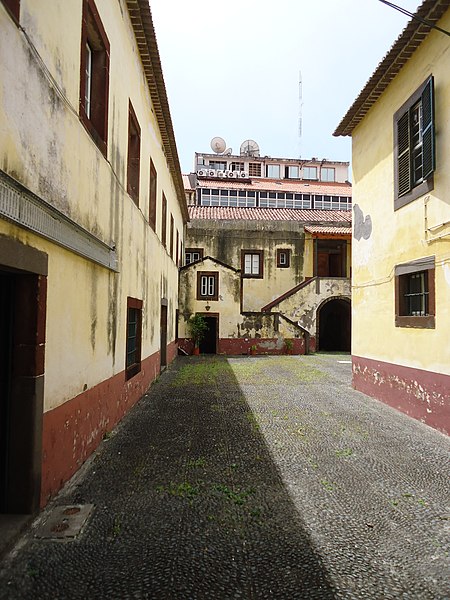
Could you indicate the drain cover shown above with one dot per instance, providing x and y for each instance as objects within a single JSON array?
[{"x": 65, "y": 522}]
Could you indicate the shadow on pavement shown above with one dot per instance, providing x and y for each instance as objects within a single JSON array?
[{"x": 189, "y": 504}]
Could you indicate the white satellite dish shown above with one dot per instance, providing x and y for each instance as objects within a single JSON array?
[
  {"x": 218, "y": 145},
  {"x": 249, "y": 148}
]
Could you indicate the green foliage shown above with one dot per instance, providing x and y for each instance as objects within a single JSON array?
[{"x": 197, "y": 327}]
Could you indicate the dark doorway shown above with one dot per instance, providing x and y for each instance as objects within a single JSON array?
[
  {"x": 209, "y": 343},
  {"x": 330, "y": 258},
  {"x": 335, "y": 326},
  {"x": 163, "y": 341},
  {"x": 6, "y": 328}
]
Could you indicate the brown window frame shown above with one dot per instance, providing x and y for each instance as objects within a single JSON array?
[
  {"x": 13, "y": 7},
  {"x": 164, "y": 221},
  {"x": 403, "y": 273},
  {"x": 403, "y": 150},
  {"x": 215, "y": 275},
  {"x": 134, "y": 155},
  {"x": 152, "y": 196},
  {"x": 254, "y": 169},
  {"x": 199, "y": 251},
  {"x": 171, "y": 236},
  {"x": 132, "y": 368},
  {"x": 95, "y": 116},
  {"x": 177, "y": 249},
  {"x": 287, "y": 252},
  {"x": 260, "y": 275}
]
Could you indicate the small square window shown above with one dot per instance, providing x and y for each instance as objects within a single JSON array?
[
  {"x": 415, "y": 294},
  {"x": 207, "y": 285},
  {"x": 252, "y": 263},
  {"x": 309, "y": 172},
  {"x": 327, "y": 174},
  {"x": 133, "y": 337},
  {"x": 292, "y": 172},
  {"x": 254, "y": 169},
  {"x": 273, "y": 171},
  {"x": 283, "y": 258},
  {"x": 192, "y": 255}
]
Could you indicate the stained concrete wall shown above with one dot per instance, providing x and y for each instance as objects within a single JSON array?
[
  {"x": 46, "y": 148},
  {"x": 399, "y": 236}
]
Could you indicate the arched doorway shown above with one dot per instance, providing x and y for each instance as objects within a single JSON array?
[{"x": 334, "y": 325}]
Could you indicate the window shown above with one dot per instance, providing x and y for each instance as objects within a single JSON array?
[
  {"x": 152, "y": 196},
  {"x": 218, "y": 165},
  {"x": 273, "y": 171},
  {"x": 134, "y": 333},
  {"x": 284, "y": 200},
  {"x": 13, "y": 7},
  {"x": 207, "y": 285},
  {"x": 164, "y": 221},
  {"x": 254, "y": 169},
  {"x": 192, "y": 255},
  {"x": 94, "y": 75},
  {"x": 283, "y": 258},
  {"x": 171, "y": 237},
  {"x": 252, "y": 263},
  {"x": 415, "y": 294},
  {"x": 292, "y": 172},
  {"x": 327, "y": 174},
  {"x": 237, "y": 166},
  {"x": 216, "y": 197},
  {"x": 134, "y": 155},
  {"x": 177, "y": 246},
  {"x": 414, "y": 153},
  {"x": 309, "y": 172}
]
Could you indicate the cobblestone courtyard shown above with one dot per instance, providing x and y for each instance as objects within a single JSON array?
[{"x": 252, "y": 477}]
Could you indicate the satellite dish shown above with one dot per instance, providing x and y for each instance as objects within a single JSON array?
[
  {"x": 229, "y": 151},
  {"x": 218, "y": 145},
  {"x": 249, "y": 148}
]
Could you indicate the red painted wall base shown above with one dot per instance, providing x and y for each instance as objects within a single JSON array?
[
  {"x": 423, "y": 395},
  {"x": 237, "y": 346},
  {"x": 72, "y": 431}
]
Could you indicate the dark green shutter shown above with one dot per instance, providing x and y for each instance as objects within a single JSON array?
[
  {"x": 404, "y": 155},
  {"x": 428, "y": 129}
]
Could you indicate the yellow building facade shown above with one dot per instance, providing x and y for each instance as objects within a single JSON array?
[
  {"x": 401, "y": 227},
  {"x": 92, "y": 214}
]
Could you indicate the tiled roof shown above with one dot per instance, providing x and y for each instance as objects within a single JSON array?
[
  {"x": 402, "y": 50},
  {"x": 279, "y": 185},
  {"x": 188, "y": 187},
  {"x": 228, "y": 213},
  {"x": 141, "y": 20},
  {"x": 328, "y": 230}
]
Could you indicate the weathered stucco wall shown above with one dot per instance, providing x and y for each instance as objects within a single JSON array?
[
  {"x": 399, "y": 236},
  {"x": 406, "y": 367},
  {"x": 224, "y": 240},
  {"x": 46, "y": 148}
]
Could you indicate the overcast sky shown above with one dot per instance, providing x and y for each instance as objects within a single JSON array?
[{"x": 232, "y": 70}]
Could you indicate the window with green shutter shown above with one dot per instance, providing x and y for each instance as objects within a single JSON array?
[{"x": 414, "y": 151}]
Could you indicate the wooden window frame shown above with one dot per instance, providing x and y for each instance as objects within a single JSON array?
[
  {"x": 13, "y": 7},
  {"x": 190, "y": 251},
  {"x": 287, "y": 252},
  {"x": 134, "y": 155},
  {"x": 164, "y": 221},
  {"x": 152, "y": 196},
  {"x": 171, "y": 236},
  {"x": 94, "y": 35},
  {"x": 214, "y": 274},
  {"x": 403, "y": 157},
  {"x": 132, "y": 369},
  {"x": 254, "y": 169},
  {"x": 260, "y": 275},
  {"x": 402, "y": 272}
]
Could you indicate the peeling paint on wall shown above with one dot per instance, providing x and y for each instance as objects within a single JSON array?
[{"x": 362, "y": 227}]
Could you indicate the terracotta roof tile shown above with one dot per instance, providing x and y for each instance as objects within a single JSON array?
[
  {"x": 279, "y": 185},
  {"x": 328, "y": 230},
  {"x": 227, "y": 213}
]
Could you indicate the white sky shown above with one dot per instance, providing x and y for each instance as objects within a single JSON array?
[{"x": 232, "y": 70}]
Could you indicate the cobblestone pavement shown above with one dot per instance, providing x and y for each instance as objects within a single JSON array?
[{"x": 252, "y": 477}]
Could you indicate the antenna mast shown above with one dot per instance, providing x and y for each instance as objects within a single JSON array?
[{"x": 300, "y": 111}]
